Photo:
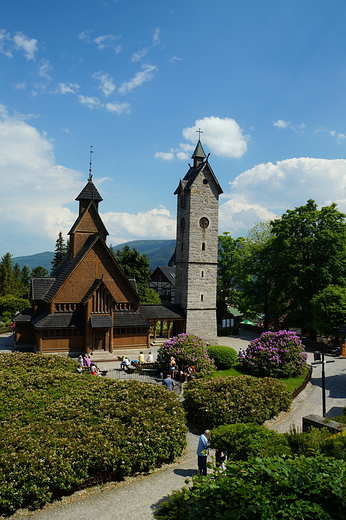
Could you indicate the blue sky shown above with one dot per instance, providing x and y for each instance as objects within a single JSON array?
[{"x": 265, "y": 82}]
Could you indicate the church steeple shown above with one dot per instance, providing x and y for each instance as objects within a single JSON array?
[
  {"x": 198, "y": 155},
  {"x": 88, "y": 194}
]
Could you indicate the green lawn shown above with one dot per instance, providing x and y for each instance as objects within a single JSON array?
[{"x": 291, "y": 384}]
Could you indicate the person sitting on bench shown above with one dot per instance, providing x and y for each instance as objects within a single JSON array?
[{"x": 125, "y": 363}]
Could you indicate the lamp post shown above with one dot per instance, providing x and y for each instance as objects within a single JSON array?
[{"x": 319, "y": 360}]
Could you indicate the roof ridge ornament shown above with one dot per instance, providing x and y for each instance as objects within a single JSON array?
[{"x": 90, "y": 165}]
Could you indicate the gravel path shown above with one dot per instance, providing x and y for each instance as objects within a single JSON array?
[{"x": 137, "y": 498}]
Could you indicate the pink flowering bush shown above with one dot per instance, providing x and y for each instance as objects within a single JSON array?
[
  {"x": 275, "y": 354},
  {"x": 188, "y": 349}
]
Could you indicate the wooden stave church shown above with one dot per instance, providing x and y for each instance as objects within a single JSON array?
[{"x": 88, "y": 303}]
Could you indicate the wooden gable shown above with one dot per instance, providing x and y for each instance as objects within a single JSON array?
[
  {"x": 97, "y": 264},
  {"x": 88, "y": 223}
]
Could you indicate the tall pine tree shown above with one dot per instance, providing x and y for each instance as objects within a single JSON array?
[{"x": 61, "y": 249}]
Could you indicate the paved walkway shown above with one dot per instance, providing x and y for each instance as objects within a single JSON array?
[{"x": 137, "y": 498}]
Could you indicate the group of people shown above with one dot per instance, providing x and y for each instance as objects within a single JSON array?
[
  {"x": 125, "y": 362},
  {"x": 85, "y": 363},
  {"x": 183, "y": 374}
]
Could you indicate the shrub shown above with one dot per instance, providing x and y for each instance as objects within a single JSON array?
[
  {"x": 226, "y": 400},
  {"x": 188, "y": 349},
  {"x": 275, "y": 354},
  {"x": 243, "y": 441},
  {"x": 264, "y": 489},
  {"x": 61, "y": 431},
  {"x": 224, "y": 357},
  {"x": 318, "y": 441}
]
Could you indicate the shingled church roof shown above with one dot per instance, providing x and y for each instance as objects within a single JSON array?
[{"x": 89, "y": 192}]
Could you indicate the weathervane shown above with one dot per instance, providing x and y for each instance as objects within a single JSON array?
[
  {"x": 90, "y": 169},
  {"x": 199, "y": 131}
]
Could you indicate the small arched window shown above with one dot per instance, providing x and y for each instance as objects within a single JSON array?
[{"x": 203, "y": 246}]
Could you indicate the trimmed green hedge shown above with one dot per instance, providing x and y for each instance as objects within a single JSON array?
[
  {"x": 264, "y": 489},
  {"x": 224, "y": 357},
  {"x": 242, "y": 441},
  {"x": 60, "y": 431},
  {"x": 226, "y": 400}
]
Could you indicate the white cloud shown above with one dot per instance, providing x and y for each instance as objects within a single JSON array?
[
  {"x": 182, "y": 153},
  {"x": 107, "y": 84},
  {"x": 156, "y": 36},
  {"x": 183, "y": 156},
  {"x": 36, "y": 188},
  {"x": 118, "y": 108},
  {"x": 224, "y": 137},
  {"x": 29, "y": 46},
  {"x": 91, "y": 102},
  {"x": 4, "y": 38},
  {"x": 175, "y": 58},
  {"x": 141, "y": 77},
  {"x": 21, "y": 85},
  {"x": 270, "y": 189},
  {"x": 44, "y": 68},
  {"x": 102, "y": 42},
  {"x": 166, "y": 156},
  {"x": 139, "y": 54},
  {"x": 338, "y": 136},
  {"x": 67, "y": 88},
  {"x": 155, "y": 223},
  {"x": 281, "y": 124}
]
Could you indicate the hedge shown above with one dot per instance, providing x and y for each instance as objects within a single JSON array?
[
  {"x": 224, "y": 357},
  {"x": 61, "y": 431},
  {"x": 242, "y": 441},
  {"x": 226, "y": 400},
  {"x": 264, "y": 489}
]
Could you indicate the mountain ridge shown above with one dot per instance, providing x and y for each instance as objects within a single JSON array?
[{"x": 158, "y": 252}]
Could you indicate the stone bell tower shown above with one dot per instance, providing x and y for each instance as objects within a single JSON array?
[{"x": 197, "y": 247}]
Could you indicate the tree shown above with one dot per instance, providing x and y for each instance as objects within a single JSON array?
[
  {"x": 329, "y": 309},
  {"x": 308, "y": 254},
  {"x": 12, "y": 305},
  {"x": 259, "y": 277},
  {"x": 229, "y": 257},
  {"x": 61, "y": 250},
  {"x": 134, "y": 265},
  {"x": 9, "y": 281},
  {"x": 39, "y": 272}
]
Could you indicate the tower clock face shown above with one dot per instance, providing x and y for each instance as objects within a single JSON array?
[{"x": 204, "y": 222}]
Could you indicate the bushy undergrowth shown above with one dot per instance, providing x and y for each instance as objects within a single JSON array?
[
  {"x": 188, "y": 349},
  {"x": 224, "y": 357},
  {"x": 264, "y": 489},
  {"x": 242, "y": 441},
  {"x": 60, "y": 431},
  {"x": 226, "y": 400},
  {"x": 275, "y": 354}
]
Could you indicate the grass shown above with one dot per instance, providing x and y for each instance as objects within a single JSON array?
[{"x": 291, "y": 383}]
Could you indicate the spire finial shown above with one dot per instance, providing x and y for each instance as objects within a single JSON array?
[
  {"x": 90, "y": 168},
  {"x": 199, "y": 131}
]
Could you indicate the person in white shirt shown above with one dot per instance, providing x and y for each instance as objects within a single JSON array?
[{"x": 150, "y": 358}]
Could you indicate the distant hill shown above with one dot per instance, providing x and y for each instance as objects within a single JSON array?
[{"x": 159, "y": 252}]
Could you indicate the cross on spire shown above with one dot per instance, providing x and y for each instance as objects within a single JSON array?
[
  {"x": 199, "y": 131},
  {"x": 90, "y": 164}
]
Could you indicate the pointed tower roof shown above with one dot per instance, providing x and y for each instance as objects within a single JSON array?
[
  {"x": 89, "y": 192},
  {"x": 199, "y": 152}
]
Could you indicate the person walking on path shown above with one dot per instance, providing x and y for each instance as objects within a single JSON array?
[
  {"x": 168, "y": 383},
  {"x": 202, "y": 452}
]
